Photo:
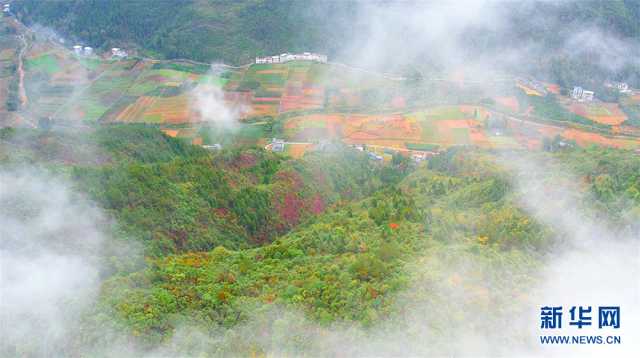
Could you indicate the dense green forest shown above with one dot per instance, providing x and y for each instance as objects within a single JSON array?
[
  {"x": 236, "y": 198},
  {"x": 229, "y": 31},
  {"x": 235, "y": 32},
  {"x": 179, "y": 250},
  {"x": 231, "y": 236}
]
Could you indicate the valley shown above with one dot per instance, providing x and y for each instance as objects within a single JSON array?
[{"x": 182, "y": 178}]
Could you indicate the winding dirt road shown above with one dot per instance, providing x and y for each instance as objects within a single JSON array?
[{"x": 22, "y": 93}]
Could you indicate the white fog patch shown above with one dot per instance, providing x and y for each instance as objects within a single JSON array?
[
  {"x": 474, "y": 37},
  {"x": 49, "y": 270},
  {"x": 395, "y": 34},
  {"x": 613, "y": 53},
  {"x": 592, "y": 264},
  {"x": 208, "y": 101}
]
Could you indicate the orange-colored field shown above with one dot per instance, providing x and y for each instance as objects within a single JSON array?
[
  {"x": 298, "y": 150},
  {"x": 534, "y": 132},
  {"x": 553, "y": 88},
  {"x": 266, "y": 99},
  {"x": 315, "y": 126},
  {"x": 395, "y": 127},
  {"x": 479, "y": 138},
  {"x": 603, "y": 113},
  {"x": 170, "y": 109},
  {"x": 170, "y": 132},
  {"x": 263, "y": 110},
  {"x": 395, "y": 130},
  {"x": 529, "y": 91},
  {"x": 584, "y": 138},
  {"x": 510, "y": 103},
  {"x": 135, "y": 111},
  {"x": 265, "y": 72}
]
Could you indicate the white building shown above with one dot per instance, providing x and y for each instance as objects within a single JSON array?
[
  {"x": 374, "y": 156},
  {"x": 581, "y": 94},
  {"x": 623, "y": 87},
  {"x": 277, "y": 145},
  {"x": 118, "y": 53},
  {"x": 620, "y": 86},
  {"x": 286, "y": 57},
  {"x": 88, "y": 51},
  {"x": 6, "y": 8},
  {"x": 77, "y": 49},
  {"x": 213, "y": 147},
  {"x": 419, "y": 156}
]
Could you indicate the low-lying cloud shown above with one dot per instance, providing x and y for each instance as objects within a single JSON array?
[{"x": 52, "y": 243}]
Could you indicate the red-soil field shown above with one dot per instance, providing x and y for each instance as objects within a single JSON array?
[
  {"x": 170, "y": 132},
  {"x": 510, "y": 103},
  {"x": 553, "y": 88},
  {"x": 603, "y": 113}
]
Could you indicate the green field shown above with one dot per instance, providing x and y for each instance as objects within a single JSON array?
[
  {"x": 45, "y": 63},
  {"x": 596, "y": 110},
  {"x": 422, "y": 146},
  {"x": 444, "y": 113}
]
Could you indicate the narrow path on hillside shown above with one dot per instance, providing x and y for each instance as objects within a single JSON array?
[{"x": 22, "y": 93}]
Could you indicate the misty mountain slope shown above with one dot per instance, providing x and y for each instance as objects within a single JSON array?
[
  {"x": 89, "y": 146},
  {"x": 344, "y": 266},
  {"x": 357, "y": 265},
  {"x": 237, "y": 198},
  {"x": 578, "y": 33},
  {"x": 426, "y": 191},
  {"x": 175, "y": 29},
  {"x": 371, "y": 262},
  {"x": 228, "y": 31}
]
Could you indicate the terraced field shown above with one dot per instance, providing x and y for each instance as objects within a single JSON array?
[
  {"x": 604, "y": 113},
  {"x": 310, "y": 102}
]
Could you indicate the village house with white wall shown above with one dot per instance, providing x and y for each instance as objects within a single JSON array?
[
  {"x": 85, "y": 51},
  {"x": 118, "y": 53},
  {"x": 620, "y": 86},
  {"x": 286, "y": 57},
  {"x": 581, "y": 95}
]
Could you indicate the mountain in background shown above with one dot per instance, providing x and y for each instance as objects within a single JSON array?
[
  {"x": 229, "y": 31},
  {"x": 556, "y": 41}
]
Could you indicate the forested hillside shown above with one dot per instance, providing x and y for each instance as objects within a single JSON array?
[
  {"x": 424, "y": 192},
  {"x": 237, "y": 198},
  {"x": 231, "y": 236},
  {"x": 237, "y": 31},
  {"x": 230, "y": 31}
]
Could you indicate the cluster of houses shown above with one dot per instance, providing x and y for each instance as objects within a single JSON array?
[
  {"x": 620, "y": 86},
  {"x": 118, "y": 53},
  {"x": 582, "y": 95},
  {"x": 85, "y": 51},
  {"x": 286, "y": 57},
  {"x": 6, "y": 8}
]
